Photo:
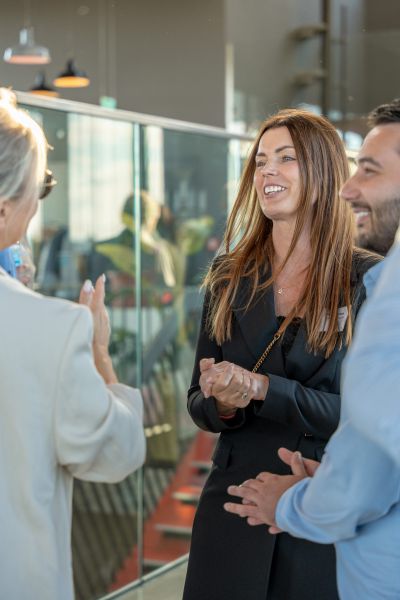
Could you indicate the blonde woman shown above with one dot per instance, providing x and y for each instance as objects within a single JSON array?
[
  {"x": 63, "y": 412},
  {"x": 278, "y": 315}
]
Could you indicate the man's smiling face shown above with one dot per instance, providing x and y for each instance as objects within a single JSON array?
[{"x": 374, "y": 188}]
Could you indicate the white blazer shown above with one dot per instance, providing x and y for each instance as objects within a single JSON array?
[{"x": 58, "y": 421}]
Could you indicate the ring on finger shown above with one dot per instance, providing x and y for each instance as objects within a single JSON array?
[{"x": 244, "y": 395}]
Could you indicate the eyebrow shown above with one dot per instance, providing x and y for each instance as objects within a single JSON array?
[
  {"x": 369, "y": 160},
  {"x": 277, "y": 150}
]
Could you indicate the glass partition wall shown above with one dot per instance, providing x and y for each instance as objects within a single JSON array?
[{"x": 145, "y": 203}]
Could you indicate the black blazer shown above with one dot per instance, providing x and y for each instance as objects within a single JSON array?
[{"x": 301, "y": 411}]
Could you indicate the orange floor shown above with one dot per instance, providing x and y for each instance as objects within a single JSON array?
[{"x": 167, "y": 530}]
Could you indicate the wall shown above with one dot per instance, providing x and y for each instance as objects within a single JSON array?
[
  {"x": 347, "y": 89},
  {"x": 168, "y": 58},
  {"x": 382, "y": 51},
  {"x": 156, "y": 57},
  {"x": 365, "y": 58}
]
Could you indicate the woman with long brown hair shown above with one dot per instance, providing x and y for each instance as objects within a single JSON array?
[{"x": 281, "y": 300}]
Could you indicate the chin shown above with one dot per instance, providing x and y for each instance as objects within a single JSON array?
[
  {"x": 281, "y": 217},
  {"x": 361, "y": 237},
  {"x": 363, "y": 232},
  {"x": 363, "y": 241},
  {"x": 274, "y": 214}
]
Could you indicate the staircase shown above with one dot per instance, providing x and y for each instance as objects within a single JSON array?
[{"x": 168, "y": 528}]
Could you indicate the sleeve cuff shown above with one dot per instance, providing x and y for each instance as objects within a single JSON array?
[
  {"x": 275, "y": 403},
  {"x": 227, "y": 417}
]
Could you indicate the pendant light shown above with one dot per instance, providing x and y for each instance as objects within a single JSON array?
[
  {"x": 27, "y": 52},
  {"x": 71, "y": 77},
  {"x": 41, "y": 88}
]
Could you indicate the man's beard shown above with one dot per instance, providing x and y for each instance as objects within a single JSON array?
[{"x": 385, "y": 221}]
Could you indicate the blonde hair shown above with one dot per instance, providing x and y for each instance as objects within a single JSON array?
[
  {"x": 23, "y": 152},
  {"x": 323, "y": 170}
]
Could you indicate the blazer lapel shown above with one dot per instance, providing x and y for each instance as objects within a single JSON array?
[
  {"x": 258, "y": 325},
  {"x": 301, "y": 364}
]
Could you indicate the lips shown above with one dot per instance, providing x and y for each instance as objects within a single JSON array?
[
  {"x": 362, "y": 214},
  {"x": 273, "y": 189},
  {"x": 362, "y": 218}
]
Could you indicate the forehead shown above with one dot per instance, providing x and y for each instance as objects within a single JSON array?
[
  {"x": 382, "y": 144},
  {"x": 275, "y": 138}
]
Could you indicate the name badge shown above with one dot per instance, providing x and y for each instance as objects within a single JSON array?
[{"x": 343, "y": 313}]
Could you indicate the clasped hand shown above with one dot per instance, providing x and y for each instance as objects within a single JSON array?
[{"x": 232, "y": 386}]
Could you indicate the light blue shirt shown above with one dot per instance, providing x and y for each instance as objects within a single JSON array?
[
  {"x": 353, "y": 499},
  {"x": 7, "y": 261},
  {"x": 371, "y": 382}
]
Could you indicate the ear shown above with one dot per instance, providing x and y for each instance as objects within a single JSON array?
[
  {"x": 4, "y": 208},
  {"x": 5, "y": 211}
]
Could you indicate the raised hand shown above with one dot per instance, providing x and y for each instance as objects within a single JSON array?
[{"x": 93, "y": 297}]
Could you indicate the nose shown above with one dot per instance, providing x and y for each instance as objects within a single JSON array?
[
  {"x": 270, "y": 168},
  {"x": 350, "y": 191}
]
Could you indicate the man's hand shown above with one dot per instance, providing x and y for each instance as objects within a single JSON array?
[
  {"x": 261, "y": 496},
  {"x": 299, "y": 465},
  {"x": 302, "y": 467}
]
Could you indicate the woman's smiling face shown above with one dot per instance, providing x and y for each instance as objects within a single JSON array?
[{"x": 277, "y": 175}]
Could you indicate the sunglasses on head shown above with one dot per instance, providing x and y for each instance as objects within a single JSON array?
[{"x": 48, "y": 184}]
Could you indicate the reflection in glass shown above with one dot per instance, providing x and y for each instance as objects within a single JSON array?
[
  {"x": 92, "y": 224},
  {"x": 93, "y": 164},
  {"x": 184, "y": 232}
]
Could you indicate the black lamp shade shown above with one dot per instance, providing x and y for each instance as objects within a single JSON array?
[
  {"x": 71, "y": 77},
  {"x": 41, "y": 88}
]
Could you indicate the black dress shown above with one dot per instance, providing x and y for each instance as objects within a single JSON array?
[{"x": 230, "y": 560}]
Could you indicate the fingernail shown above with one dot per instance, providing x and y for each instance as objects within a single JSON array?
[
  {"x": 87, "y": 286},
  {"x": 104, "y": 277},
  {"x": 298, "y": 455}
]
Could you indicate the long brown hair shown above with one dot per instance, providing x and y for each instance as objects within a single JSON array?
[{"x": 323, "y": 170}]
